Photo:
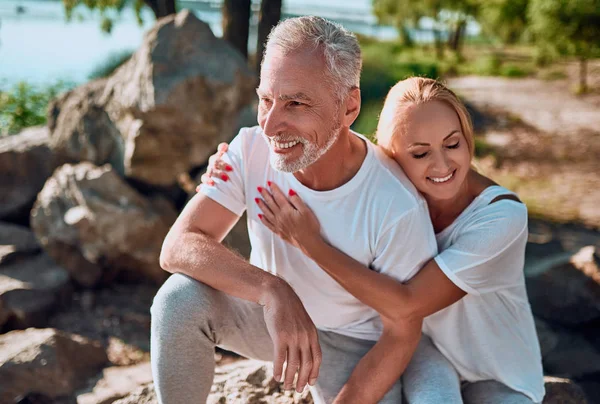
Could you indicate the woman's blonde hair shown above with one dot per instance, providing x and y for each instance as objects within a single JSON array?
[{"x": 419, "y": 90}]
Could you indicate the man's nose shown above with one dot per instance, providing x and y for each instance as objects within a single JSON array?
[{"x": 273, "y": 121}]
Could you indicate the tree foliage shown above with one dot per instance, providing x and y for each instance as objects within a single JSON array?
[
  {"x": 448, "y": 16},
  {"x": 571, "y": 27},
  {"x": 25, "y": 105},
  {"x": 160, "y": 8},
  {"x": 505, "y": 19}
]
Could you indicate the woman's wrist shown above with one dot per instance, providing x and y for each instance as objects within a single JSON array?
[{"x": 314, "y": 247}]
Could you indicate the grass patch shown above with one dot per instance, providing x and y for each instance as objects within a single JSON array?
[
  {"x": 552, "y": 74},
  {"x": 25, "y": 105}
]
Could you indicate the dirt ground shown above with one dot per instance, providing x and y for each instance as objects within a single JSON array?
[{"x": 541, "y": 140}]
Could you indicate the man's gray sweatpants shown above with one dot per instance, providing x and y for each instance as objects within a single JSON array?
[{"x": 189, "y": 319}]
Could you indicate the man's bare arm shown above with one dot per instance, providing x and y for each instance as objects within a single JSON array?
[{"x": 193, "y": 247}]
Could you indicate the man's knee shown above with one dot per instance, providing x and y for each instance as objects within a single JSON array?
[{"x": 183, "y": 302}]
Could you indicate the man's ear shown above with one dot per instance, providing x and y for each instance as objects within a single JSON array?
[{"x": 352, "y": 106}]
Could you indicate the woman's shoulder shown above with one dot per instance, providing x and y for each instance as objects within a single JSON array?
[{"x": 500, "y": 210}]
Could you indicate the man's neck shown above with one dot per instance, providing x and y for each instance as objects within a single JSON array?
[{"x": 336, "y": 167}]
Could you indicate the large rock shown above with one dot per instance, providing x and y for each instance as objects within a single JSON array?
[
  {"x": 47, "y": 362},
  {"x": 114, "y": 383},
  {"x": 96, "y": 226},
  {"x": 30, "y": 290},
  {"x": 82, "y": 130},
  {"x": 16, "y": 241},
  {"x": 164, "y": 111},
  {"x": 567, "y": 290},
  {"x": 562, "y": 391},
  {"x": 566, "y": 353},
  {"x": 26, "y": 162},
  {"x": 245, "y": 381}
]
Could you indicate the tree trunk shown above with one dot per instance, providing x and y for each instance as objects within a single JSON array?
[
  {"x": 236, "y": 24},
  {"x": 270, "y": 14},
  {"x": 439, "y": 46},
  {"x": 405, "y": 38},
  {"x": 161, "y": 8},
  {"x": 455, "y": 40},
  {"x": 583, "y": 87}
]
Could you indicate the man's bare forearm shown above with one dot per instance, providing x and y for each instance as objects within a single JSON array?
[
  {"x": 382, "y": 366},
  {"x": 201, "y": 257}
]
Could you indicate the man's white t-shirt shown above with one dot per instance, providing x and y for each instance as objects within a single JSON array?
[
  {"x": 378, "y": 218},
  {"x": 489, "y": 334}
]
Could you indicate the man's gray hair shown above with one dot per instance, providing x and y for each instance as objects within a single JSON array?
[{"x": 340, "y": 47}]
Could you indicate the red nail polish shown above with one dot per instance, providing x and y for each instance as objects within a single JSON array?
[
  {"x": 224, "y": 177},
  {"x": 228, "y": 168},
  {"x": 256, "y": 200},
  {"x": 259, "y": 189},
  {"x": 269, "y": 182},
  {"x": 292, "y": 192},
  {"x": 260, "y": 216},
  {"x": 211, "y": 183}
]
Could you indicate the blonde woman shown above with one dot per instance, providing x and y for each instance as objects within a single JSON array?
[{"x": 479, "y": 343}]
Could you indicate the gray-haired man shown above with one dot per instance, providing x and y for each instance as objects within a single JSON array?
[{"x": 281, "y": 306}]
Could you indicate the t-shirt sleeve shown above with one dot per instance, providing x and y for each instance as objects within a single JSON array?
[
  {"x": 406, "y": 244},
  {"x": 489, "y": 252},
  {"x": 231, "y": 193}
]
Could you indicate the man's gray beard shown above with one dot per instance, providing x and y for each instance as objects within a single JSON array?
[{"x": 311, "y": 153}]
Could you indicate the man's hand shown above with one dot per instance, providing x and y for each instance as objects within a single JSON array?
[{"x": 294, "y": 336}]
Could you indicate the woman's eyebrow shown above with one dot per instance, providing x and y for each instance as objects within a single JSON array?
[
  {"x": 427, "y": 144},
  {"x": 451, "y": 133}
]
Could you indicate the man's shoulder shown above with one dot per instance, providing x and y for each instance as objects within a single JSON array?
[
  {"x": 390, "y": 182},
  {"x": 248, "y": 142}
]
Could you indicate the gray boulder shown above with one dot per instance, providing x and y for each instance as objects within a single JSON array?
[
  {"x": 164, "y": 111},
  {"x": 16, "y": 241},
  {"x": 46, "y": 362},
  {"x": 26, "y": 161},
  {"x": 566, "y": 353},
  {"x": 96, "y": 226},
  {"x": 562, "y": 391},
  {"x": 567, "y": 290},
  {"x": 30, "y": 290}
]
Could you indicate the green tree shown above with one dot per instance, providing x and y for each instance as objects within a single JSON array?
[
  {"x": 504, "y": 19},
  {"x": 447, "y": 15},
  {"x": 571, "y": 27}
]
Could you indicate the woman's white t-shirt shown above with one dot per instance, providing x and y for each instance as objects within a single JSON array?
[{"x": 489, "y": 334}]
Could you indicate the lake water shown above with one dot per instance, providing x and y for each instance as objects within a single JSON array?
[{"x": 39, "y": 46}]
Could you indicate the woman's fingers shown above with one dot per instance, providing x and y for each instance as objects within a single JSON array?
[
  {"x": 268, "y": 200},
  {"x": 279, "y": 196},
  {"x": 266, "y": 211},
  {"x": 222, "y": 148},
  {"x": 205, "y": 180},
  {"x": 216, "y": 162},
  {"x": 296, "y": 201}
]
